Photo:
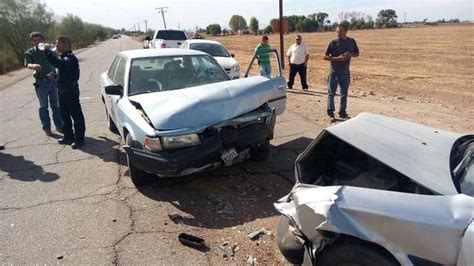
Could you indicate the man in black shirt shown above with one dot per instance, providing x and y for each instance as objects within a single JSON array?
[
  {"x": 68, "y": 75},
  {"x": 339, "y": 53}
]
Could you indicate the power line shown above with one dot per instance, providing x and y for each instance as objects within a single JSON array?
[{"x": 162, "y": 10}]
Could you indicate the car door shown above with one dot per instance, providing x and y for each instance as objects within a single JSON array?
[
  {"x": 276, "y": 80},
  {"x": 106, "y": 80},
  {"x": 118, "y": 80}
]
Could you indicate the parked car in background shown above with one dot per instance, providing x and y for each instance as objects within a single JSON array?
[
  {"x": 219, "y": 52},
  {"x": 167, "y": 39},
  {"x": 179, "y": 113},
  {"x": 116, "y": 36},
  {"x": 381, "y": 191}
]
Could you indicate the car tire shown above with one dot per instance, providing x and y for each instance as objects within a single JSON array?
[
  {"x": 110, "y": 123},
  {"x": 354, "y": 252},
  {"x": 138, "y": 176},
  {"x": 290, "y": 247},
  {"x": 260, "y": 153}
]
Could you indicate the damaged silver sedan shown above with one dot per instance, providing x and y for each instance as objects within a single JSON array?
[
  {"x": 179, "y": 113},
  {"x": 380, "y": 191}
]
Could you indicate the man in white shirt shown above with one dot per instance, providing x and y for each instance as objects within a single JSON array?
[{"x": 298, "y": 56}]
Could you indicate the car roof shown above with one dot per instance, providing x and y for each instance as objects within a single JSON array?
[
  {"x": 140, "y": 53},
  {"x": 202, "y": 41},
  {"x": 419, "y": 152}
]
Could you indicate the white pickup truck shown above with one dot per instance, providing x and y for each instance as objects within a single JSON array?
[{"x": 168, "y": 39}]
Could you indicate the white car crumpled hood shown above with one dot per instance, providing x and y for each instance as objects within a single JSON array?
[
  {"x": 402, "y": 223},
  {"x": 198, "y": 107}
]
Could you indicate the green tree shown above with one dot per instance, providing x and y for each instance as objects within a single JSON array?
[
  {"x": 321, "y": 18},
  {"x": 213, "y": 29},
  {"x": 268, "y": 29},
  {"x": 74, "y": 28},
  {"x": 18, "y": 19},
  {"x": 253, "y": 25},
  {"x": 237, "y": 22},
  {"x": 387, "y": 18},
  {"x": 307, "y": 25}
]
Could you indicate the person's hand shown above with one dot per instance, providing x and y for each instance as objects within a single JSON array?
[
  {"x": 36, "y": 67},
  {"x": 347, "y": 55}
]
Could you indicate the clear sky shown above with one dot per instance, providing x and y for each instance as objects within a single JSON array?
[{"x": 188, "y": 13}]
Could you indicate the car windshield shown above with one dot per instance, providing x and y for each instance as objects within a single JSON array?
[
  {"x": 210, "y": 48},
  {"x": 171, "y": 35},
  {"x": 153, "y": 74},
  {"x": 463, "y": 171}
]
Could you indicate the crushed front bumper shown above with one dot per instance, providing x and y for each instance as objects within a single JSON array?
[{"x": 207, "y": 155}]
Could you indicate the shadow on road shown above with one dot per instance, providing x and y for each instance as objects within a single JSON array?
[
  {"x": 17, "y": 167},
  {"x": 233, "y": 195},
  {"x": 104, "y": 148}
]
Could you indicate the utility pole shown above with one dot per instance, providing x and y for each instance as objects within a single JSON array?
[
  {"x": 138, "y": 24},
  {"x": 178, "y": 25},
  {"x": 405, "y": 18},
  {"x": 280, "y": 25},
  {"x": 146, "y": 27},
  {"x": 162, "y": 10}
]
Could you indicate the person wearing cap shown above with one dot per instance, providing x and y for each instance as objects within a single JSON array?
[
  {"x": 68, "y": 76},
  {"x": 45, "y": 85},
  {"x": 263, "y": 54},
  {"x": 298, "y": 56}
]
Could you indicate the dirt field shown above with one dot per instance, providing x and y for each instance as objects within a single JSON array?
[{"x": 419, "y": 74}]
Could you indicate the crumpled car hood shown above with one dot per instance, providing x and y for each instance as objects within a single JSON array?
[
  {"x": 198, "y": 107},
  {"x": 426, "y": 226},
  {"x": 419, "y": 152}
]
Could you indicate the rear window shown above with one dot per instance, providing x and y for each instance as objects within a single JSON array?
[
  {"x": 171, "y": 35},
  {"x": 210, "y": 48}
]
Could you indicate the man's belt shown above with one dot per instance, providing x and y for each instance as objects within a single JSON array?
[{"x": 46, "y": 78}]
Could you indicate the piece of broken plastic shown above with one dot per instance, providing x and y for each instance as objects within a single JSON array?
[{"x": 191, "y": 241}]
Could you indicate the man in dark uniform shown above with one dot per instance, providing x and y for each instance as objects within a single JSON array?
[
  {"x": 68, "y": 75},
  {"x": 339, "y": 53}
]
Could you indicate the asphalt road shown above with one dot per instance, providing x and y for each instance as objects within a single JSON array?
[{"x": 59, "y": 205}]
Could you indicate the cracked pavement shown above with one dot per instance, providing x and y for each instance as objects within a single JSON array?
[{"x": 59, "y": 205}]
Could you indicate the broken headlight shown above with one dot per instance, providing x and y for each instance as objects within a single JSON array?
[
  {"x": 151, "y": 143},
  {"x": 180, "y": 141}
]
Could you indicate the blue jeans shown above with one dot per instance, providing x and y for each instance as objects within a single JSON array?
[
  {"x": 265, "y": 70},
  {"x": 47, "y": 90},
  {"x": 343, "y": 81}
]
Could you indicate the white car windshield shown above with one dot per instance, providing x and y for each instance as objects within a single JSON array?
[
  {"x": 153, "y": 74},
  {"x": 210, "y": 48}
]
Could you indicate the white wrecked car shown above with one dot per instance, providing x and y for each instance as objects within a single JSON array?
[
  {"x": 179, "y": 113},
  {"x": 380, "y": 191}
]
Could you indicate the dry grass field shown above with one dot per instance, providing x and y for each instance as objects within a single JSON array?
[{"x": 421, "y": 74}]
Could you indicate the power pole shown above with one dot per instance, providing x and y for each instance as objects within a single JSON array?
[
  {"x": 146, "y": 27},
  {"x": 162, "y": 10},
  {"x": 280, "y": 25},
  {"x": 178, "y": 26},
  {"x": 405, "y": 18},
  {"x": 138, "y": 24}
]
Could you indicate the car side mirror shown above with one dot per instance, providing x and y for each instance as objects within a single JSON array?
[
  {"x": 233, "y": 55},
  {"x": 114, "y": 90}
]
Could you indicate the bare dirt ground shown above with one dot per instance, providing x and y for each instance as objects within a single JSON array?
[{"x": 418, "y": 74}]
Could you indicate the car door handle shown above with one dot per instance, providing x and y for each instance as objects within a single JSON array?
[{"x": 281, "y": 87}]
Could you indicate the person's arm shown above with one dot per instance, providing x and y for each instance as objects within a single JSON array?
[
  {"x": 328, "y": 55},
  {"x": 288, "y": 55},
  {"x": 306, "y": 58},
  {"x": 56, "y": 62},
  {"x": 30, "y": 64},
  {"x": 356, "y": 50}
]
